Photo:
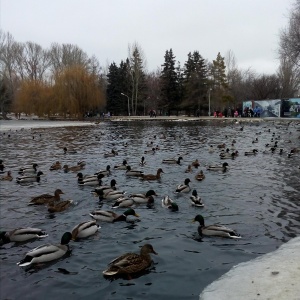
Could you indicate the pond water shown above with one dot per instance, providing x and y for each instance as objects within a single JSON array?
[{"x": 259, "y": 197}]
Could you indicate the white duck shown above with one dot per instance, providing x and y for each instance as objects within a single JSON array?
[
  {"x": 21, "y": 235},
  {"x": 85, "y": 229}
]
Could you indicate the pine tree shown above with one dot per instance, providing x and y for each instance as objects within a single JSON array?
[
  {"x": 169, "y": 80},
  {"x": 195, "y": 82}
]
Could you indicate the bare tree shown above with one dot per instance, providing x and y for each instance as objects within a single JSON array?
[
  {"x": 137, "y": 65},
  {"x": 289, "y": 46}
]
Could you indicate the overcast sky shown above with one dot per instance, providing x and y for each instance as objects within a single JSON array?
[{"x": 105, "y": 28}]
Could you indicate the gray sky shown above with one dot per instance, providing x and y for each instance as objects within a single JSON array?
[{"x": 105, "y": 28}]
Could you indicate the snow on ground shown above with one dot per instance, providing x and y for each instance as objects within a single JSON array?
[{"x": 273, "y": 276}]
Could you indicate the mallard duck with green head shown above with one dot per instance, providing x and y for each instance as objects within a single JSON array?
[
  {"x": 215, "y": 229},
  {"x": 85, "y": 229},
  {"x": 48, "y": 252},
  {"x": 110, "y": 216},
  {"x": 130, "y": 263},
  {"x": 21, "y": 235}
]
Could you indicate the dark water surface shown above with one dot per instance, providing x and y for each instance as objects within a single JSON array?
[{"x": 259, "y": 197}]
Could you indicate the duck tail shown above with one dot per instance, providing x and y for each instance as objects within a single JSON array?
[{"x": 25, "y": 262}]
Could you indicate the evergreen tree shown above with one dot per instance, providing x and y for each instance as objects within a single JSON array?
[
  {"x": 118, "y": 83},
  {"x": 170, "y": 86},
  {"x": 218, "y": 83},
  {"x": 195, "y": 82}
]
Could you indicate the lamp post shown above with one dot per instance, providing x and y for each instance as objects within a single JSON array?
[
  {"x": 209, "y": 101},
  {"x": 127, "y": 103}
]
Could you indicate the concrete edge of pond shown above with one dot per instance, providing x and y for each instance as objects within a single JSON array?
[{"x": 271, "y": 276}]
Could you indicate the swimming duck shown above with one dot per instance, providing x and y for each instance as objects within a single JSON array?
[
  {"x": 222, "y": 167},
  {"x": 196, "y": 164},
  {"x": 105, "y": 188},
  {"x": 90, "y": 179},
  {"x": 105, "y": 172},
  {"x": 46, "y": 198},
  {"x": 48, "y": 252},
  {"x": 59, "y": 207},
  {"x": 215, "y": 230},
  {"x": 150, "y": 151},
  {"x": 30, "y": 178},
  {"x": 189, "y": 169},
  {"x": 211, "y": 149},
  {"x": 195, "y": 199},
  {"x": 167, "y": 202},
  {"x": 152, "y": 176},
  {"x": 76, "y": 168},
  {"x": 110, "y": 216},
  {"x": 7, "y": 177},
  {"x": 85, "y": 229},
  {"x": 123, "y": 202},
  {"x": 183, "y": 187},
  {"x": 21, "y": 235},
  {"x": 130, "y": 263},
  {"x": 121, "y": 167},
  {"x": 228, "y": 155},
  {"x": 142, "y": 198},
  {"x": 110, "y": 154},
  {"x": 200, "y": 176},
  {"x": 172, "y": 160},
  {"x": 142, "y": 162},
  {"x": 28, "y": 169},
  {"x": 113, "y": 195},
  {"x": 131, "y": 172},
  {"x": 253, "y": 152},
  {"x": 221, "y": 146},
  {"x": 55, "y": 166},
  {"x": 69, "y": 151}
]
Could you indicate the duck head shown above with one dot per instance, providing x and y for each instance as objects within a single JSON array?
[
  {"x": 66, "y": 238},
  {"x": 200, "y": 219}
]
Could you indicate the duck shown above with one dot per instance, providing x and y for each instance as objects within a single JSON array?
[
  {"x": 131, "y": 172},
  {"x": 7, "y": 177},
  {"x": 110, "y": 216},
  {"x": 129, "y": 202},
  {"x": 221, "y": 146},
  {"x": 105, "y": 188},
  {"x": 69, "y": 151},
  {"x": 140, "y": 198},
  {"x": 76, "y": 168},
  {"x": 123, "y": 166},
  {"x": 188, "y": 169},
  {"x": 84, "y": 230},
  {"x": 183, "y": 187},
  {"x": 195, "y": 199},
  {"x": 215, "y": 229},
  {"x": 30, "y": 178},
  {"x": 32, "y": 169},
  {"x": 150, "y": 151},
  {"x": 55, "y": 166},
  {"x": 112, "y": 195},
  {"x": 90, "y": 179},
  {"x": 46, "y": 198},
  {"x": 167, "y": 202},
  {"x": 228, "y": 155},
  {"x": 172, "y": 160},
  {"x": 142, "y": 162},
  {"x": 211, "y": 149},
  {"x": 21, "y": 235},
  {"x": 111, "y": 154},
  {"x": 48, "y": 252},
  {"x": 222, "y": 167},
  {"x": 152, "y": 176},
  {"x": 59, "y": 207},
  {"x": 253, "y": 152},
  {"x": 196, "y": 164},
  {"x": 130, "y": 263},
  {"x": 200, "y": 176},
  {"x": 105, "y": 172},
  {"x": 2, "y": 167}
]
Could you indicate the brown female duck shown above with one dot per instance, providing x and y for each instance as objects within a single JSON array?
[{"x": 46, "y": 198}]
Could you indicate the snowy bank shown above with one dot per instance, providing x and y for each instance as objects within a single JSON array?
[{"x": 273, "y": 276}]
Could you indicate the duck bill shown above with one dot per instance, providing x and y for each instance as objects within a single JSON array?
[
  {"x": 136, "y": 215},
  {"x": 154, "y": 252}
]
